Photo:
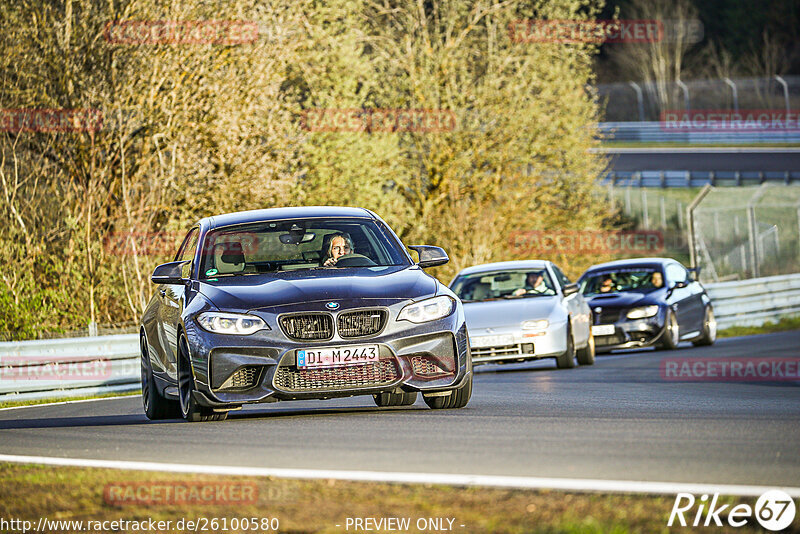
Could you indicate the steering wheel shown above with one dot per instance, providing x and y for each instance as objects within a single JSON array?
[{"x": 354, "y": 260}]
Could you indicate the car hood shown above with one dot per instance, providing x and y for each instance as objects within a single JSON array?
[
  {"x": 628, "y": 299},
  {"x": 497, "y": 313},
  {"x": 252, "y": 292}
]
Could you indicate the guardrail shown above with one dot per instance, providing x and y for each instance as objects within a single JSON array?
[
  {"x": 655, "y": 132},
  {"x": 63, "y": 368},
  {"x": 665, "y": 179},
  {"x": 755, "y": 301},
  {"x": 73, "y": 367}
]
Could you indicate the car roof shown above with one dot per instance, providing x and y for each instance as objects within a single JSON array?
[
  {"x": 272, "y": 214},
  {"x": 630, "y": 262},
  {"x": 522, "y": 264}
]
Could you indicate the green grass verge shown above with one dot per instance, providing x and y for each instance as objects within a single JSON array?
[
  {"x": 9, "y": 404},
  {"x": 787, "y": 323},
  {"x": 317, "y": 506}
]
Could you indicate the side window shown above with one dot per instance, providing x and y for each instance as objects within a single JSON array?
[
  {"x": 562, "y": 279},
  {"x": 189, "y": 246},
  {"x": 676, "y": 273}
]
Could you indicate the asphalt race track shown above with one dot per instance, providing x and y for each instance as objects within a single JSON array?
[
  {"x": 703, "y": 159},
  {"x": 616, "y": 420}
]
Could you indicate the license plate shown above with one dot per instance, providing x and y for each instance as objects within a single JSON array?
[
  {"x": 492, "y": 341},
  {"x": 337, "y": 356},
  {"x": 603, "y": 330}
]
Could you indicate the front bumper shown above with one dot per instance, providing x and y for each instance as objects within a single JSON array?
[
  {"x": 235, "y": 370},
  {"x": 512, "y": 344},
  {"x": 631, "y": 333}
]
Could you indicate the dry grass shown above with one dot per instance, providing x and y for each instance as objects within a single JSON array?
[{"x": 318, "y": 506}]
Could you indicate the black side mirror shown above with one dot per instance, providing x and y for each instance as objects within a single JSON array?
[
  {"x": 695, "y": 273},
  {"x": 430, "y": 256},
  {"x": 570, "y": 289},
  {"x": 169, "y": 273}
]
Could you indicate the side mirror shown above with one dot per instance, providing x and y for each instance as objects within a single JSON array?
[
  {"x": 570, "y": 289},
  {"x": 169, "y": 273},
  {"x": 430, "y": 256},
  {"x": 695, "y": 273}
]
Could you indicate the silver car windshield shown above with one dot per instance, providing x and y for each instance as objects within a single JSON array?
[{"x": 518, "y": 283}]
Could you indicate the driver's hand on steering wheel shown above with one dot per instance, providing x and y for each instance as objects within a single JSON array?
[{"x": 330, "y": 262}]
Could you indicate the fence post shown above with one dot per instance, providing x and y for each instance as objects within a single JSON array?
[
  {"x": 735, "y": 94},
  {"x": 639, "y": 99},
  {"x": 690, "y": 219},
  {"x": 645, "y": 216}
]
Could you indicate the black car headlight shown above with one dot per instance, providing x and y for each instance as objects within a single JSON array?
[
  {"x": 642, "y": 312},
  {"x": 231, "y": 323},
  {"x": 427, "y": 310}
]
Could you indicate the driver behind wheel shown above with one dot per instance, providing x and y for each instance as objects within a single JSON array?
[{"x": 336, "y": 246}]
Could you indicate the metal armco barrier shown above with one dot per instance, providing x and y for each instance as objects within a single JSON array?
[
  {"x": 62, "y": 368},
  {"x": 56, "y": 368},
  {"x": 755, "y": 301},
  {"x": 654, "y": 132}
]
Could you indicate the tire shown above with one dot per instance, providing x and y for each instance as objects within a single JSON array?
[
  {"x": 155, "y": 405},
  {"x": 395, "y": 399},
  {"x": 586, "y": 355},
  {"x": 458, "y": 398},
  {"x": 567, "y": 360},
  {"x": 671, "y": 335},
  {"x": 190, "y": 410},
  {"x": 709, "y": 330}
]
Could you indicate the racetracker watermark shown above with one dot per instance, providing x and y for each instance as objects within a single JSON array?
[
  {"x": 50, "y": 120},
  {"x": 774, "y": 510},
  {"x": 180, "y": 493},
  {"x": 378, "y": 120},
  {"x": 585, "y": 31},
  {"x": 181, "y": 32},
  {"x": 586, "y": 242},
  {"x": 75, "y": 368},
  {"x": 726, "y": 120},
  {"x": 730, "y": 369}
]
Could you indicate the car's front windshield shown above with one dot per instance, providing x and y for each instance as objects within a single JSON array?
[
  {"x": 517, "y": 283},
  {"x": 640, "y": 279},
  {"x": 296, "y": 244}
]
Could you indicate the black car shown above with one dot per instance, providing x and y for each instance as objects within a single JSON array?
[
  {"x": 300, "y": 303},
  {"x": 647, "y": 301}
]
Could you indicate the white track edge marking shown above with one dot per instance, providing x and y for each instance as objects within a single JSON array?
[
  {"x": 569, "y": 484},
  {"x": 58, "y": 403}
]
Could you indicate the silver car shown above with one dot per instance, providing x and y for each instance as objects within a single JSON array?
[{"x": 524, "y": 310}]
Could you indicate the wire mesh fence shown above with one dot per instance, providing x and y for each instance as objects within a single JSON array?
[
  {"x": 645, "y": 101},
  {"x": 748, "y": 232}
]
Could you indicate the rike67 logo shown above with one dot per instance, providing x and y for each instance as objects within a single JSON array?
[{"x": 774, "y": 511}]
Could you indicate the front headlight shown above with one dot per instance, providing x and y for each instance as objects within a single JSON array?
[
  {"x": 231, "y": 323},
  {"x": 641, "y": 313},
  {"x": 541, "y": 324},
  {"x": 427, "y": 310}
]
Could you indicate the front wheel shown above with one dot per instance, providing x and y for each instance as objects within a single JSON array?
[
  {"x": 458, "y": 398},
  {"x": 709, "y": 330},
  {"x": 671, "y": 335},
  {"x": 586, "y": 355},
  {"x": 190, "y": 409},
  {"x": 567, "y": 360}
]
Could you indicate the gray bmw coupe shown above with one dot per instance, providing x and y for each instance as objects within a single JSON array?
[{"x": 300, "y": 303}]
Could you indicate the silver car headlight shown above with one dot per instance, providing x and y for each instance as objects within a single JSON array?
[
  {"x": 540, "y": 324},
  {"x": 231, "y": 323},
  {"x": 427, "y": 310},
  {"x": 642, "y": 312}
]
